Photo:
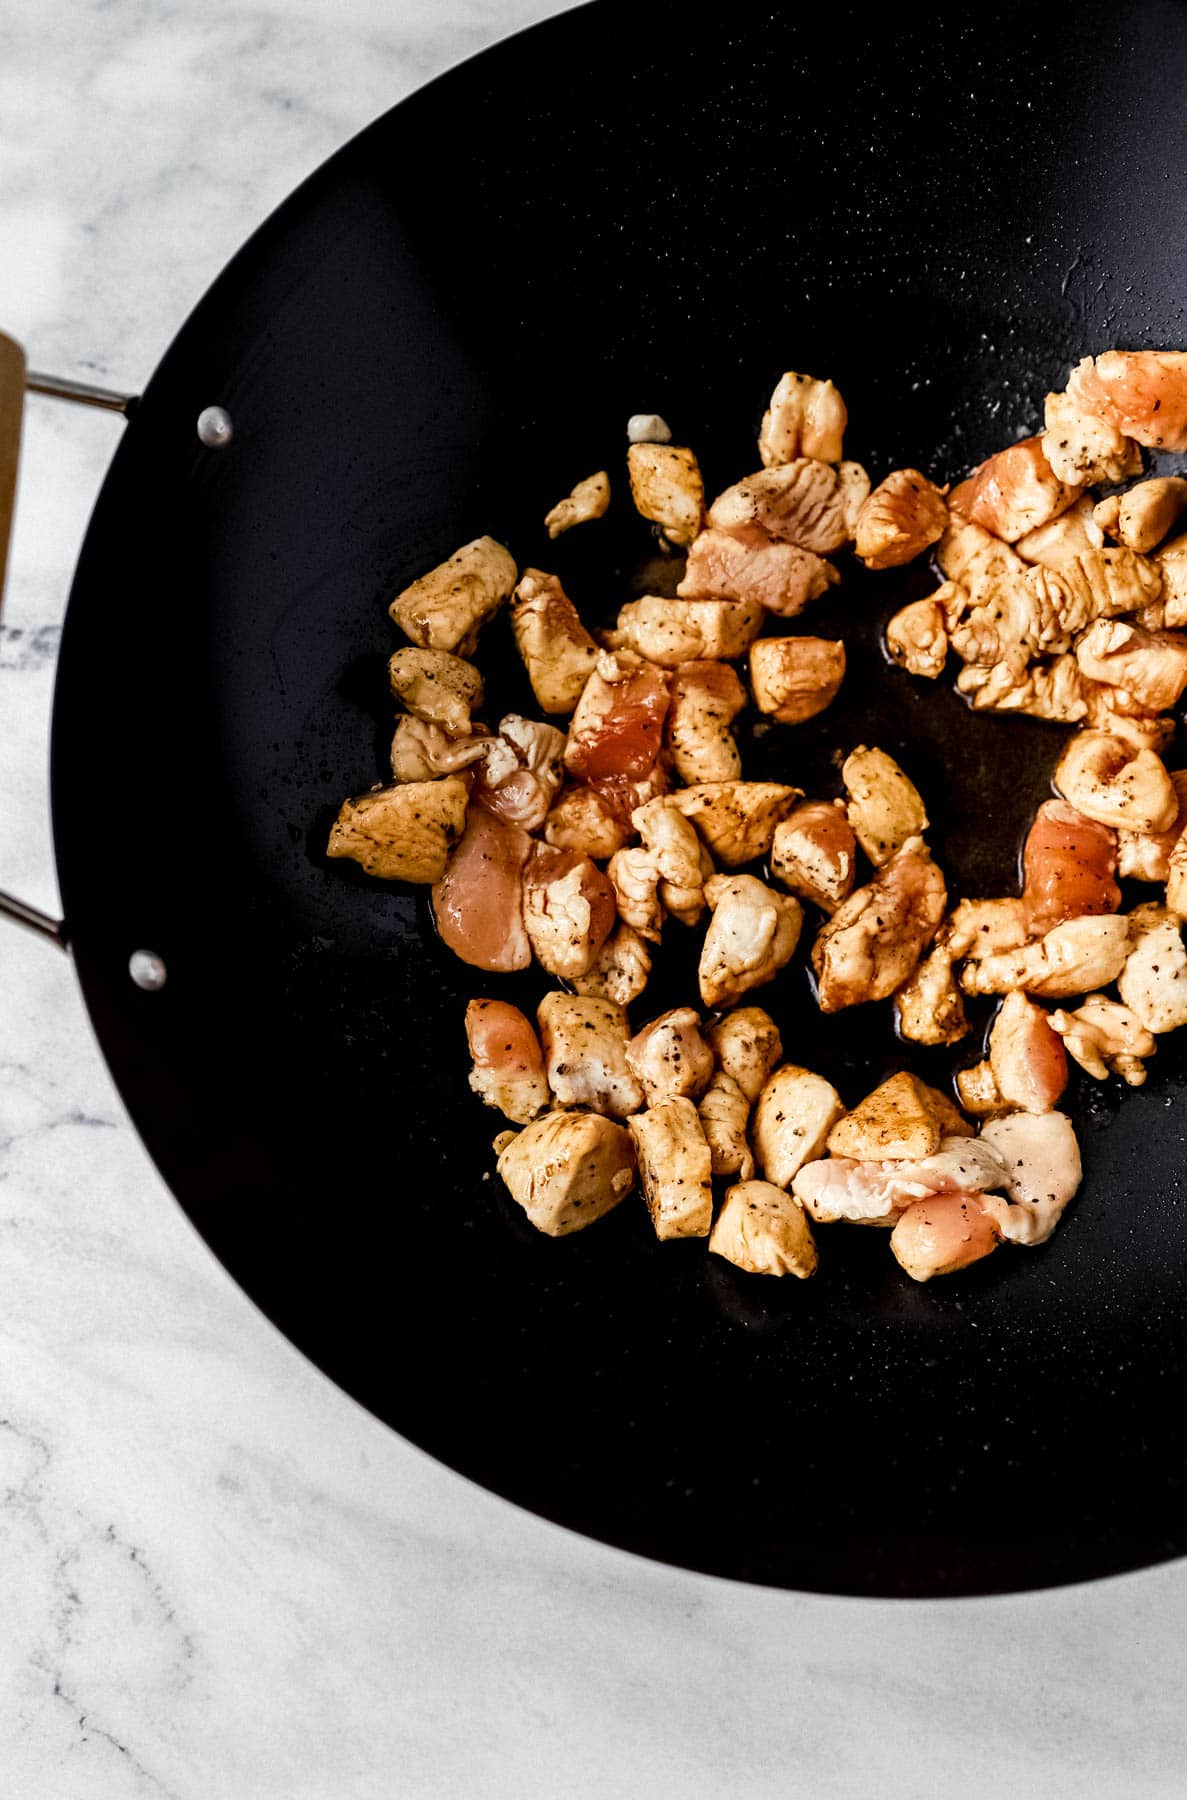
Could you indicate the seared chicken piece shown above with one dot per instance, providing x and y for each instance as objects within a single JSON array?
[
  {"x": 706, "y": 699},
  {"x": 724, "y": 1113},
  {"x": 763, "y": 1230},
  {"x": 917, "y": 636},
  {"x": 792, "y": 1119},
  {"x": 1069, "y": 535},
  {"x": 1044, "y": 690},
  {"x": 978, "y": 1090},
  {"x": 666, "y": 488},
  {"x": 1153, "y": 983},
  {"x": 747, "y": 565},
  {"x": 1068, "y": 867},
  {"x": 674, "y": 1168},
  {"x": 421, "y": 752},
  {"x": 855, "y": 491},
  {"x": 621, "y": 795},
  {"x": 508, "y": 1071},
  {"x": 1143, "y": 393},
  {"x": 1084, "y": 449},
  {"x": 1107, "y": 780},
  {"x": 885, "y": 808},
  {"x": 735, "y": 819},
  {"x": 895, "y": 1123},
  {"x": 1072, "y": 958},
  {"x": 620, "y": 969},
  {"x": 581, "y": 820},
  {"x": 1146, "y": 855},
  {"x": 800, "y": 502},
  {"x": 1041, "y": 1159},
  {"x": 402, "y": 833},
  {"x": 814, "y": 853},
  {"x": 568, "y": 1169},
  {"x": 1141, "y": 518},
  {"x": 679, "y": 856},
  {"x": 903, "y": 516},
  {"x": 1152, "y": 666},
  {"x": 806, "y": 417},
  {"x": 752, "y": 935},
  {"x": 1105, "y": 1038},
  {"x": 588, "y": 500},
  {"x": 837, "y": 1189},
  {"x": 972, "y": 556},
  {"x": 585, "y": 1041},
  {"x": 939, "y": 1236},
  {"x": 557, "y": 650},
  {"x": 569, "y": 910},
  {"x": 447, "y": 608},
  {"x": 1026, "y": 1056},
  {"x": 874, "y": 940},
  {"x": 948, "y": 1115},
  {"x": 747, "y": 1045},
  {"x": 985, "y": 928},
  {"x": 478, "y": 902},
  {"x": 929, "y": 1006},
  {"x": 1112, "y": 710},
  {"x": 634, "y": 874},
  {"x": 434, "y": 686},
  {"x": 1013, "y": 492},
  {"x": 1093, "y": 584},
  {"x": 519, "y": 774},
  {"x": 1171, "y": 563},
  {"x": 670, "y": 1056},
  {"x": 619, "y": 722},
  {"x": 794, "y": 678},
  {"x": 673, "y": 632}
]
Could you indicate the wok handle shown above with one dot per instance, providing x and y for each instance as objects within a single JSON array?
[{"x": 16, "y": 380}]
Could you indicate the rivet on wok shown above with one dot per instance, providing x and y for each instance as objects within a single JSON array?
[
  {"x": 214, "y": 427},
  {"x": 147, "y": 970}
]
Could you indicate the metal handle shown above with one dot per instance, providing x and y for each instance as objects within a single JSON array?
[{"x": 16, "y": 380}]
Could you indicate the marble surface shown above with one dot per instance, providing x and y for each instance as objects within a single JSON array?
[{"x": 219, "y": 1576}]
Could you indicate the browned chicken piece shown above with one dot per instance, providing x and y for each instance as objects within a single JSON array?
[
  {"x": 447, "y": 608},
  {"x": 618, "y": 726},
  {"x": 752, "y": 935},
  {"x": 947, "y": 1114},
  {"x": 674, "y": 1168},
  {"x": 974, "y": 557},
  {"x": 895, "y": 1123},
  {"x": 735, "y": 819},
  {"x": 620, "y": 794},
  {"x": 1069, "y": 535},
  {"x": 1072, "y": 958},
  {"x": 569, "y": 910},
  {"x": 885, "y": 808},
  {"x": 1149, "y": 665},
  {"x": 1171, "y": 563},
  {"x": 795, "y": 678},
  {"x": 1105, "y": 1038},
  {"x": 1143, "y": 393},
  {"x": 1153, "y": 983},
  {"x": 402, "y": 833},
  {"x": 792, "y": 1119},
  {"x": 1013, "y": 492},
  {"x": 679, "y": 856},
  {"x": 917, "y": 636},
  {"x": 806, "y": 417},
  {"x": 584, "y": 1040},
  {"x": 670, "y": 1056},
  {"x": 855, "y": 491},
  {"x": 800, "y": 502},
  {"x": 749, "y": 566},
  {"x": 1108, "y": 780},
  {"x": 508, "y": 1071},
  {"x": 903, "y": 516},
  {"x": 519, "y": 774},
  {"x": 814, "y": 853},
  {"x": 1084, "y": 449},
  {"x": 1095, "y": 584},
  {"x": 666, "y": 488},
  {"x": 1146, "y": 855},
  {"x": 942, "y": 1234},
  {"x": 581, "y": 820},
  {"x": 558, "y": 652},
  {"x": 1069, "y": 864},
  {"x": 434, "y": 686},
  {"x": 634, "y": 874},
  {"x": 706, "y": 699},
  {"x": 1141, "y": 518},
  {"x": 1010, "y": 621},
  {"x": 1027, "y": 1057},
  {"x": 724, "y": 1113},
  {"x": 929, "y": 1006},
  {"x": 1111, "y": 710},
  {"x": 1053, "y": 689},
  {"x": 422, "y": 752},
  {"x": 978, "y": 1090},
  {"x": 875, "y": 939},
  {"x": 672, "y": 632},
  {"x": 588, "y": 500},
  {"x": 568, "y": 1169},
  {"x": 747, "y": 1045},
  {"x": 985, "y": 928},
  {"x": 620, "y": 969},
  {"x": 764, "y": 1231},
  {"x": 478, "y": 903}
]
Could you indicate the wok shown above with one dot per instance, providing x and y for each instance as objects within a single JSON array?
[{"x": 431, "y": 339}]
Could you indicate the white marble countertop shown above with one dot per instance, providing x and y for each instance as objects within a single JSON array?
[{"x": 220, "y": 1578}]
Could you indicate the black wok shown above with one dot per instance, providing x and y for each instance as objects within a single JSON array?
[{"x": 432, "y": 339}]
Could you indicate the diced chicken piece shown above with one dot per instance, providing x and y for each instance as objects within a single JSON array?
[
  {"x": 917, "y": 636},
  {"x": 1143, "y": 393},
  {"x": 985, "y": 928},
  {"x": 903, "y": 516},
  {"x": 618, "y": 725},
  {"x": 402, "y": 833},
  {"x": 568, "y": 1169},
  {"x": 666, "y": 488},
  {"x": 1094, "y": 584},
  {"x": 794, "y": 678},
  {"x": 1146, "y": 855},
  {"x": 519, "y": 775},
  {"x": 585, "y": 1041},
  {"x": 679, "y": 856},
  {"x": 747, "y": 1045},
  {"x": 620, "y": 969},
  {"x": 1013, "y": 492},
  {"x": 948, "y": 1115},
  {"x": 1042, "y": 1162},
  {"x": 806, "y": 417},
  {"x": 1152, "y": 666},
  {"x": 1141, "y": 518},
  {"x": 1105, "y": 1038},
  {"x": 929, "y": 1006},
  {"x": 1068, "y": 867},
  {"x": 978, "y": 1090},
  {"x": 508, "y": 1071},
  {"x": 569, "y": 910},
  {"x": 670, "y": 1056},
  {"x": 752, "y": 935},
  {"x": 1072, "y": 958},
  {"x": 895, "y": 1123},
  {"x": 1153, "y": 983},
  {"x": 792, "y": 1119},
  {"x": 724, "y": 1113},
  {"x": 749, "y": 566},
  {"x": 706, "y": 699},
  {"x": 437, "y": 687},
  {"x": 673, "y": 632},
  {"x": 974, "y": 557},
  {"x": 648, "y": 428},
  {"x": 763, "y": 1230},
  {"x": 1027, "y": 1057},
  {"x": 478, "y": 902},
  {"x": 735, "y": 819},
  {"x": 1084, "y": 449},
  {"x": 1069, "y": 535},
  {"x": 674, "y": 1168},
  {"x": 1043, "y": 690},
  {"x": 581, "y": 820},
  {"x": 557, "y": 650},
  {"x": 939, "y": 1236},
  {"x": 447, "y": 608},
  {"x": 1107, "y": 780},
  {"x": 855, "y": 491},
  {"x": 588, "y": 500},
  {"x": 800, "y": 502},
  {"x": 838, "y": 1190},
  {"x": 814, "y": 853},
  {"x": 885, "y": 808},
  {"x": 622, "y": 795},
  {"x": 634, "y": 875},
  {"x": 1171, "y": 563},
  {"x": 874, "y": 940},
  {"x": 1112, "y": 710},
  {"x": 422, "y": 752}
]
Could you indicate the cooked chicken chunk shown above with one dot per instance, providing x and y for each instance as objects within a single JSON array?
[
  {"x": 1143, "y": 393},
  {"x": 437, "y": 687},
  {"x": 588, "y": 500},
  {"x": 1093, "y": 584},
  {"x": 1041, "y": 1159},
  {"x": 1069, "y": 535},
  {"x": 569, "y": 910},
  {"x": 1026, "y": 1056},
  {"x": 1171, "y": 563},
  {"x": 1111, "y": 710},
  {"x": 674, "y": 1168},
  {"x": 814, "y": 853},
  {"x": 895, "y": 1123},
  {"x": 978, "y": 1090},
  {"x": 749, "y": 566},
  {"x": 620, "y": 969},
  {"x": 1072, "y": 958},
  {"x": 837, "y": 1189},
  {"x": 508, "y": 1071},
  {"x": 557, "y": 650},
  {"x": 670, "y": 1056},
  {"x": 1084, "y": 449},
  {"x": 1068, "y": 867},
  {"x": 519, "y": 774},
  {"x": 929, "y": 1006},
  {"x": 794, "y": 678},
  {"x": 874, "y": 940},
  {"x": 763, "y": 1230},
  {"x": 666, "y": 488},
  {"x": 1153, "y": 983},
  {"x": 735, "y": 819},
  {"x": 568, "y": 1169},
  {"x": 1013, "y": 492},
  {"x": 447, "y": 608},
  {"x": 747, "y": 1045},
  {"x": 855, "y": 491},
  {"x": 903, "y": 516},
  {"x": 1105, "y": 1038},
  {"x": 634, "y": 874},
  {"x": 706, "y": 699},
  {"x": 581, "y": 820},
  {"x": 679, "y": 856},
  {"x": 752, "y": 935},
  {"x": 724, "y": 1113},
  {"x": 1143, "y": 516},
  {"x": 917, "y": 636},
  {"x": 402, "y": 833},
  {"x": 973, "y": 557},
  {"x": 618, "y": 725},
  {"x": 421, "y": 752},
  {"x": 1146, "y": 855},
  {"x": 806, "y": 417},
  {"x": 939, "y": 1236},
  {"x": 478, "y": 903},
  {"x": 585, "y": 1041},
  {"x": 985, "y": 927},
  {"x": 885, "y": 808},
  {"x": 674, "y": 632},
  {"x": 1043, "y": 690},
  {"x": 1107, "y": 780},
  {"x": 1152, "y": 666},
  {"x": 792, "y": 1119},
  {"x": 800, "y": 502}
]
